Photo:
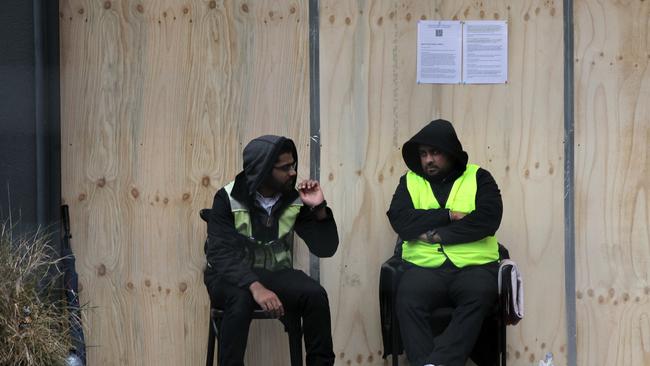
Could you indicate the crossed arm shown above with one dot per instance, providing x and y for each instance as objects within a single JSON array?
[{"x": 444, "y": 226}]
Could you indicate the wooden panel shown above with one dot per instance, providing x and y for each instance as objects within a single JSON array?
[
  {"x": 612, "y": 53},
  {"x": 158, "y": 99},
  {"x": 370, "y": 105}
]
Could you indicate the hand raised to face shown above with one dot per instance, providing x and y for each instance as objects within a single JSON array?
[{"x": 310, "y": 192}]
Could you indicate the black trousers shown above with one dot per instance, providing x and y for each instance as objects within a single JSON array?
[
  {"x": 471, "y": 291},
  {"x": 299, "y": 294}
]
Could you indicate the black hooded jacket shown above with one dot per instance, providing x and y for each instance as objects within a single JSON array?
[
  {"x": 409, "y": 223},
  {"x": 224, "y": 247}
]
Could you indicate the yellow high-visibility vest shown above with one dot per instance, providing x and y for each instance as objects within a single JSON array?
[
  {"x": 275, "y": 254},
  {"x": 462, "y": 198}
]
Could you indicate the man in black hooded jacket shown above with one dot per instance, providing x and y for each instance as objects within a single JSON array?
[
  {"x": 249, "y": 249},
  {"x": 447, "y": 212}
]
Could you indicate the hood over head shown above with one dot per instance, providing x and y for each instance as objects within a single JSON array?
[
  {"x": 259, "y": 156},
  {"x": 439, "y": 134}
]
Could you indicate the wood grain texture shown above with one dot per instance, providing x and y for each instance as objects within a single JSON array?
[
  {"x": 612, "y": 54},
  {"x": 371, "y": 104},
  {"x": 158, "y": 99}
]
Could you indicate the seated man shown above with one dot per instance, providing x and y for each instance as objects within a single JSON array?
[
  {"x": 250, "y": 249},
  {"x": 447, "y": 212}
]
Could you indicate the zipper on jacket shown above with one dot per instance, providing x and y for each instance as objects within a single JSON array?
[{"x": 442, "y": 250}]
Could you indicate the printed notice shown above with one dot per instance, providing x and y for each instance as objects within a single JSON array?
[
  {"x": 439, "y": 52},
  {"x": 485, "y": 52}
]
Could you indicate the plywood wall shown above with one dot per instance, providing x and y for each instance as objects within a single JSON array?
[
  {"x": 371, "y": 104},
  {"x": 612, "y": 54},
  {"x": 158, "y": 98}
]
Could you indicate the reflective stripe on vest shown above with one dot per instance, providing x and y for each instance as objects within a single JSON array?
[
  {"x": 272, "y": 255},
  {"x": 462, "y": 198}
]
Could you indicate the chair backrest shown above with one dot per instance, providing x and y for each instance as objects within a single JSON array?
[
  {"x": 205, "y": 214},
  {"x": 503, "y": 252}
]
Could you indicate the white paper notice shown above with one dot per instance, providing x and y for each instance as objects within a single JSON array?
[
  {"x": 439, "y": 52},
  {"x": 485, "y": 52}
]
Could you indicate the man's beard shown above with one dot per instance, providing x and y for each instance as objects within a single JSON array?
[
  {"x": 438, "y": 174},
  {"x": 432, "y": 171},
  {"x": 280, "y": 187}
]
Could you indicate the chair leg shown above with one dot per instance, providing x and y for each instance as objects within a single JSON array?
[
  {"x": 395, "y": 340},
  {"x": 209, "y": 360},
  {"x": 294, "y": 329},
  {"x": 502, "y": 332},
  {"x": 217, "y": 330},
  {"x": 295, "y": 347},
  {"x": 503, "y": 342}
]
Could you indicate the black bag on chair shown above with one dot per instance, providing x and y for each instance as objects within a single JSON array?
[{"x": 512, "y": 291}]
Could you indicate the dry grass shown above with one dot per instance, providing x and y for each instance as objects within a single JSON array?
[{"x": 34, "y": 320}]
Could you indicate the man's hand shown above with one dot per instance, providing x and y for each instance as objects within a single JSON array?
[
  {"x": 311, "y": 195},
  {"x": 266, "y": 299},
  {"x": 435, "y": 238},
  {"x": 455, "y": 215},
  {"x": 310, "y": 192}
]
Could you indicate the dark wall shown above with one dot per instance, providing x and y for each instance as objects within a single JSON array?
[{"x": 29, "y": 112}]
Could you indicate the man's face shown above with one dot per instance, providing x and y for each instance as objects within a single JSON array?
[
  {"x": 434, "y": 162},
  {"x": 283, "y": 174}
]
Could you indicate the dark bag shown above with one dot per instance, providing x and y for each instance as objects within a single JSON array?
[{"x": 512, "y": 289}]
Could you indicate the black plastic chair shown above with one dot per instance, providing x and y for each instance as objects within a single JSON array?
[
  {"x": 291, "y": 322},
  {"x": 489, "y": 350},
  {"x": 291, "y": 325}
]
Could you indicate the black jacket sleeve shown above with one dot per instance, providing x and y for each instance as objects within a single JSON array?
[
  {"x": 321, "y": 236},
  {"x": 222, "y": 248},
  {"x": 409, "y": 222},
  {"x": 483, "y": 221}
]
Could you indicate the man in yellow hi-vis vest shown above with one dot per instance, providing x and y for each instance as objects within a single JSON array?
[
  {"x": 250, "y": 249},
  {"x": 446, "y": 211}
]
